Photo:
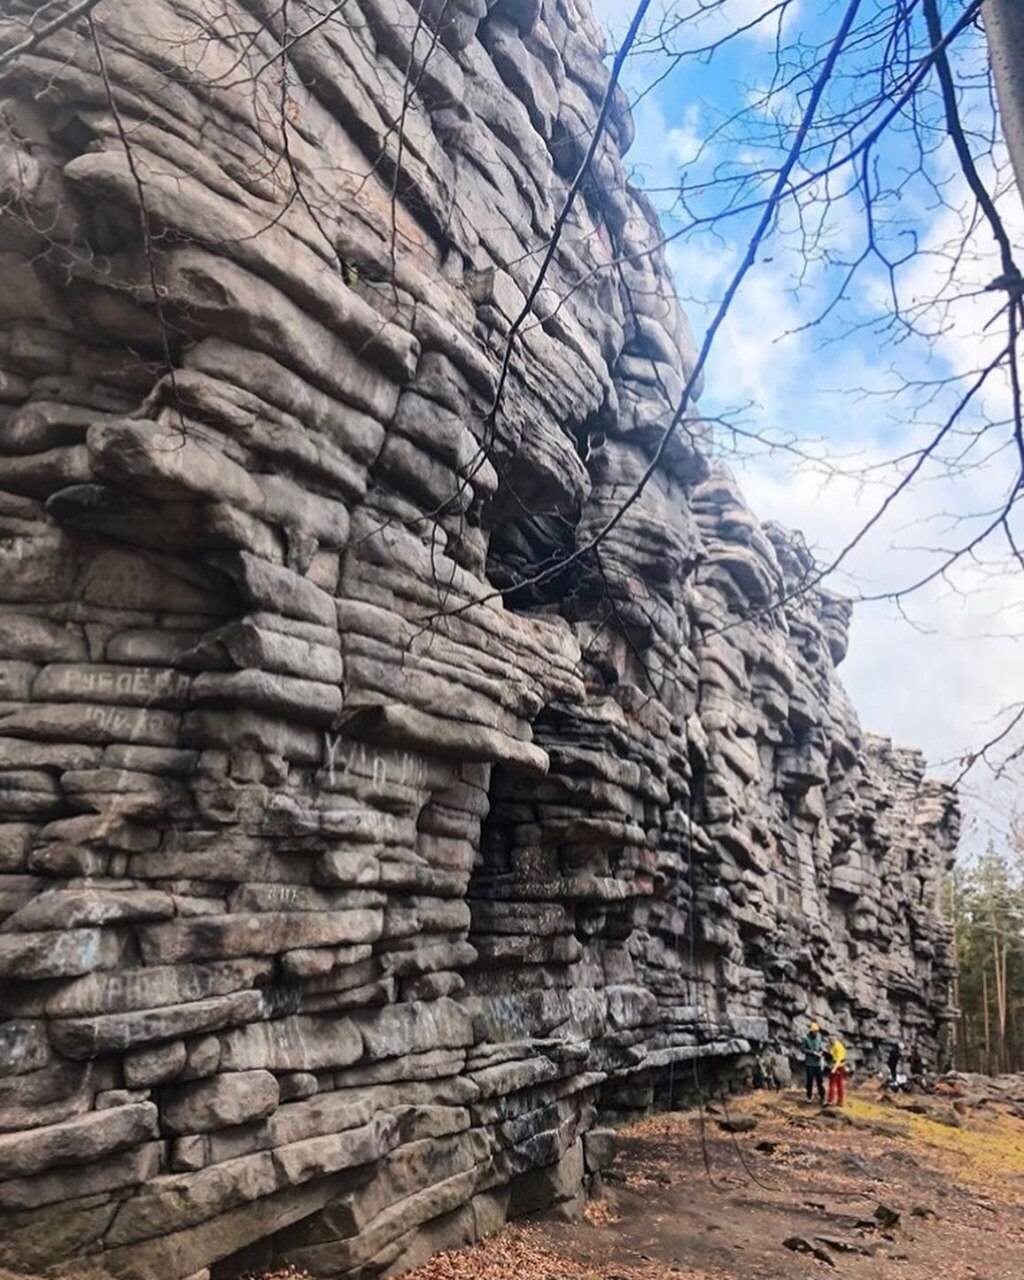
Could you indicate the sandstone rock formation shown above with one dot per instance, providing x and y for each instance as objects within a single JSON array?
[{"x": 356, "y": 858}]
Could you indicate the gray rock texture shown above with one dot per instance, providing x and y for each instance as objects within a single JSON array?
[{"x": 359, "y": 865}]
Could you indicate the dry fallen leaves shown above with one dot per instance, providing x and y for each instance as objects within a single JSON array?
[
  {"x": 932, "y": 1173},
  {"x": 518, "y": 1253},
  {"x": 599, "y": 1213}
]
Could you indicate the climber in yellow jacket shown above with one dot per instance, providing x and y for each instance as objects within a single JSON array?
[{"x": 837, "y": 1076}]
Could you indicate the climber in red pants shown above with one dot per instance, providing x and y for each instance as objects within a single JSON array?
[{"x": 837, "y": 1076}]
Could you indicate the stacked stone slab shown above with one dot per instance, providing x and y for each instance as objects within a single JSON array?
[{"x": 356, "y": 852}]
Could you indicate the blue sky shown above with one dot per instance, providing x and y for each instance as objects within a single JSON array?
[{"x": 937, "y": 673}]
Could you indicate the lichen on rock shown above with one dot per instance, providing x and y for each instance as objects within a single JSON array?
[{"x": 368, "y": 843}]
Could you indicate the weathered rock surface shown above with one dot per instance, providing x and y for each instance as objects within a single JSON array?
[{"x": 356, "y": 869}]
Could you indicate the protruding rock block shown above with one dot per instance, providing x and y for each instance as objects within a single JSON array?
[
  {"x": 233, "y": 1097},
  {"x": 78, "y": 1141}
]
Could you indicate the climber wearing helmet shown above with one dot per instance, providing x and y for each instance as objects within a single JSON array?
[{"x": 813, "y": 1048}]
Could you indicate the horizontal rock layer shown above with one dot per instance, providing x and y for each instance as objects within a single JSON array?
[{"x": 357, "y": 854}]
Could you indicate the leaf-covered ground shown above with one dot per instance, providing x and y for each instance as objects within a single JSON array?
[{"x": 935, "y": 1193}]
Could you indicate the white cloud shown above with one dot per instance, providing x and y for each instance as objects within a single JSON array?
[
  {"x": 685, "y": 142},
  {"x": 753, "y": 357},
  {"x": 699, "y": 22},
  {"x": 942, "y": 680},
  {"x": 963, "y": 313}
]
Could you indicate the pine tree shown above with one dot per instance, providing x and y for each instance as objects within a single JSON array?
[{"x": 987, "y": 901}]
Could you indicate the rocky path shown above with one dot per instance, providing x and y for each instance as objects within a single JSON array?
[{"x": 930, "y": 1189}]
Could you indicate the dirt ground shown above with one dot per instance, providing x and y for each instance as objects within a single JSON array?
[{"x": 879, "y": 1190}]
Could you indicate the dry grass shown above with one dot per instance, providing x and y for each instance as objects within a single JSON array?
[{"x": 990, "y": 1146}]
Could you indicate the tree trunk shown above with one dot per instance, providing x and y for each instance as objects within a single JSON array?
[
  {"x": 997, "y": 973},
  {"x": 1004, "y": 27},
  {"x": 958, "y": 1027},
  {"x": 1001, "y": 1059},
  {"x": 988, "y": 1032},
  {"x": 1004, "y": 1063}
]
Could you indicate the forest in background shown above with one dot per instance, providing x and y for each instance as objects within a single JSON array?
[{"x": 987, "y": 906}]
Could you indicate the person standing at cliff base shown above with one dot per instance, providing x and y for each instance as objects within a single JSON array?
[
  {"x": 813, "y": 1048},
  {"x": 893, "y": 1063},
  {"x": 837, "y": 1076}
]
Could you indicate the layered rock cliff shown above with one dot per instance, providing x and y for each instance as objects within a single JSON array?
[{"x": 360, "y": 847}]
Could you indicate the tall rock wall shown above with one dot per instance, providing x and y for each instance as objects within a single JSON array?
[{"x": 357, "y": 853}]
